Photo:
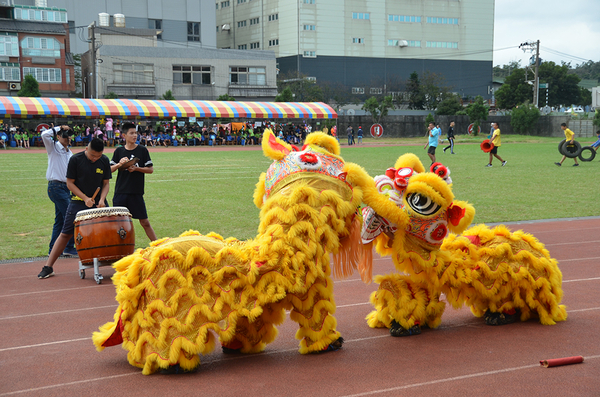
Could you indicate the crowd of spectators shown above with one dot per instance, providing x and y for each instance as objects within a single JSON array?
[{"x": 165, "y": 133}]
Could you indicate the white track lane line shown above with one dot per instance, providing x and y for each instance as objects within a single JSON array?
[
  {"x": 571, "y": 243},
  {"x": 55, "y": 290},
  {"x": 59, "y": 312},
  {"x": 452, "y": 379}
]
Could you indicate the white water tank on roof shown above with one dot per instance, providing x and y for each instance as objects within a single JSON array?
[
  {"x": 119, "y": 20},
  {"x": 103, "y": 19}
]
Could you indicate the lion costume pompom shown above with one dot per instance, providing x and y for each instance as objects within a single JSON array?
[
  {"x": 177, "y": 295},
  {"x": 500, "y": 275}
]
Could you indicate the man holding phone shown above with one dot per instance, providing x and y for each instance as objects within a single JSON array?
[{"x": 133, "y": 162}]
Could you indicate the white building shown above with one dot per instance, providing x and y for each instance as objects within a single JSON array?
[{"x": 367, "y": 43}]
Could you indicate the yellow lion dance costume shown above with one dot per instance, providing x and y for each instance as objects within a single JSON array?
[
  {"x": 177, "y": 294},
  {"x": 499, "y": 274}
]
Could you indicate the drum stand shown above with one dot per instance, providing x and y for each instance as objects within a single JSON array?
[{"x": 97, "y": 264}]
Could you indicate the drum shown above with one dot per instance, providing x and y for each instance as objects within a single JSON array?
[{"x": 106, "y": 234}]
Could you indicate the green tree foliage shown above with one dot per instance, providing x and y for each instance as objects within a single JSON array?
[
  {"x": 77, "y": 74},
  {"x": 433, "y": 90},
  {"x": 337, "y": 95},
  {"x": 502, "y": 72},
  {"x": 168, "y": 96},
  {"x": 449, "y": 106},
  {"x": 30, "y": 87},
  {"x": 524, "y": 117},
  {"x": 589, "y": 70},
  {"x": 477, "y": 112},
  {"x": 285, "y": 96},
  {"x": 303, "y": 89},
  {"x": 225, "y": 97},
  {"x": 378, "y": 109},
  {"x": 563, "y": 87},
  {"x": 429, "y": 119},
  {"x": 586, "y": 96},
  {"x": 596, "y": 121},
  {"x": 416, "y": 99},
  {"x": 111, "y": 95}
]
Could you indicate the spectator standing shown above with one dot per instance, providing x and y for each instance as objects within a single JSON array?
[
  {"x": 129, "y": 189},
  {"x": 350, "y": 133},
  {"x": 57, "y": 141},
  {"x": 359, "y": 134},
  {"x": 87, "y": 171},
  {"x": 569, "y": 137}
]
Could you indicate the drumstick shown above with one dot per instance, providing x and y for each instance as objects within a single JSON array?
[{"x": 95, "y": 193}]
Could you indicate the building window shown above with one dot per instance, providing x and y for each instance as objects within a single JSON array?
[
  {"x": 243, "y": 75},
  {"x": 358, "y": 90},
  {"x": 309, "y": 1},
  {"x": 156, "y": 24},
  {"x": 376, "y": 91},
  {"x": 444, "y": 21},
  {"x": 225, "y": 4},
  {"x": 40, "y": 47},
  {"x": 44, "y": 75},
  {"x": 409, "y": 43},
  {"x": 133, "y": 73},
  {"x": 68, "y": 76},
  {"x": 441, "y": 44},
  {"x": 241, "y": 24},
  {"x": 360, "y": 15},
  {"x": 10, "y": 73},
  {"x": 309, "y": 27},
  {"x": 49, "y": 15},
  {"x": 254, "y": 21},
  {"x": 197, "y": 75},
  {"x": 310, "y": 54},
  {"x": 404, "y": 18},
  {"x": 9, "y": 45},
  {"x": 254, "y": 46},
  {"x": 241, "y": 1},
  {"x": 217, "y": 28},
  {"x": 358, "y": 40},
  {"x": 273, "y": 17},
  {"x": 193, "y": 31},
  {"x": 273, "y": 42},
  {"x": 243, "y": 47}
]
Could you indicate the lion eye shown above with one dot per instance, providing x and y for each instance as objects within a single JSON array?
[{"x": 422, "y": 204}]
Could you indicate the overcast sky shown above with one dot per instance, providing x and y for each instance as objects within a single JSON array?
[{"x": 570, "y": 27}]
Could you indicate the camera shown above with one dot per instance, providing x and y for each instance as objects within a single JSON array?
[{"x": 65, "y": 132}]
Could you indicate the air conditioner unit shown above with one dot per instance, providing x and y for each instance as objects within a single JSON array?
[
  {"x": 14, "y": 86},
  {"x": 402, "y": 43},
  {"x": 226, "y": 27}
]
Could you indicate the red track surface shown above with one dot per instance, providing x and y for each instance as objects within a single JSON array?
[{"x": 46, "y": 348}]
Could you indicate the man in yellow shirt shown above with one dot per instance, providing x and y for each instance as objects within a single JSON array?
[
  {"x": 497, "y": 142},
  {"x": 570, "y": 137}
]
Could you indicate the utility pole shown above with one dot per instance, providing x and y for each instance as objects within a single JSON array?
[
  {"x": 92, "y": 92},
  {"x": 531, "y": 47}
]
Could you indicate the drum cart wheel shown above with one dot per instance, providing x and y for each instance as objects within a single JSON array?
[
  {"x": 81, "y": 273},
  {"x": 96, "y": 266}
]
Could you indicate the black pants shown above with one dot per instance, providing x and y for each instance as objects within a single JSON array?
[{"x": 450, "y": 146}]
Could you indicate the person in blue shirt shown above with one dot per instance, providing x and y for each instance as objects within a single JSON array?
[{"x": 432, "y": 142}]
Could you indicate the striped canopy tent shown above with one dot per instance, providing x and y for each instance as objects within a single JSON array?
[{"x": 25, "y": 107}]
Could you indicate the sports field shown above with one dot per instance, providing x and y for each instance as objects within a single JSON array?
[{"x": 209, "y": 190}]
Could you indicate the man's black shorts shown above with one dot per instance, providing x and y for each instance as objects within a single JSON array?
[
  {"x": 431, "y": 150},
  {"x": 133, "y": 202},
  {"x": 494, "y": 150}
]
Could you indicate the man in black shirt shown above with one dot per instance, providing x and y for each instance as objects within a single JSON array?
[
  {"x": 450, "y": 138},
  {"x": 87, "y": 171},
  {"x": 129, "y": 189}
]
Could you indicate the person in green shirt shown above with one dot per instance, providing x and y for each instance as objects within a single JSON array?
[
  {"x": 18, "y": 139},
  {"x": 25, "y": 139}
]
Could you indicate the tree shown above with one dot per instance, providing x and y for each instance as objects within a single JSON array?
[
  {"x": 285, "y": 96},
  {"x": 514, "y": 91},
  {"x": 111, "y": 95},
  {"x": 30, "y": 87},
  {"x": 378, "y": 109},
  {"x": 415, "y": 96},
  {"x": 429, "y": 119},
  {"x": 589, "y": 70},
  {"x": 303, "y": 88},
  {"x": 168, "y": 96},
  {"x": 501, "y": 72},
  {"x": 477, "y": 112},
  {"x": 225, "y": 97},
  {"x": 524, "y": 117},
  {"x": 596, "y": 121},
  {"x": 77, "y": 74},
  {"x": 337, "y": 95},
  {"x": 449, "y": 106},
  {"x": 586, "y": 96},
  {"x": 433, "y": 90}
]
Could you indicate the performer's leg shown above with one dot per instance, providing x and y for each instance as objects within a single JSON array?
[{"x": 314, "y": 313}]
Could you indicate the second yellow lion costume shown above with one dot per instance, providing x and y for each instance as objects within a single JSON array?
[{"x": 499, "y": 274}]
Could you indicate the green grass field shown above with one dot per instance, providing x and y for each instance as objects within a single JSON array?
[{"x": 212, "y": 191}]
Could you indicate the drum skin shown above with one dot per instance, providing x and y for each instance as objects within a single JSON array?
[{"x": 106, "y": 238}]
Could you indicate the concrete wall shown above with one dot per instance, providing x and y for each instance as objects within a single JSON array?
[{"x": 414, "y": 126}]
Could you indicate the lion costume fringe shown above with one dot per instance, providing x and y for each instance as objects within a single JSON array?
[
  {"x": 178, "y": 294},
  {"x": 499, "y": 274}
]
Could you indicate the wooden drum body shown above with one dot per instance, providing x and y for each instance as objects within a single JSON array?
[{"x": 106, "y": 234}]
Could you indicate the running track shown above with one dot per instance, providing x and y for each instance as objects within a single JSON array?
[{"x": 46, "y": 348}]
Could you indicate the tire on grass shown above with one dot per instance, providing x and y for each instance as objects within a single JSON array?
[{"x": 591, "y": 156}]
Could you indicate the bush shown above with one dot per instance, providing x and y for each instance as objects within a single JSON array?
[{"x": 524, "y": 117}]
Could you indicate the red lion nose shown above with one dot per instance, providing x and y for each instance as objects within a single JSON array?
[{"x": 309, "y": 158}]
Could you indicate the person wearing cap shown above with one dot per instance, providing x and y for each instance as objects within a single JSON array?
[
  {"x": 57, "y": 141},
  {"x": 359, "y": 134}
]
